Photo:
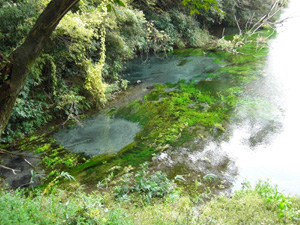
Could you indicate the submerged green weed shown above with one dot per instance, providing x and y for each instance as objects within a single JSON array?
[
  {"x": 172, "y": 108},
  {"x": 189, "y": 52}
]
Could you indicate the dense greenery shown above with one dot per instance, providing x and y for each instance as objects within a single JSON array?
[
  {"x": 262, "y": 204},
  {"x": 204, "y": 107}
]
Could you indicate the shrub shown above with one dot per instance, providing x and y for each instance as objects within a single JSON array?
[
  {"x": 16, "y": 20},
  {"x": 183, "y": 30}
]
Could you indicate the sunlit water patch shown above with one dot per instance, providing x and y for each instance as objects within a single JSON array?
[
  {"x": 265, "y": 144},
  {"x": 98, "y": 135}
]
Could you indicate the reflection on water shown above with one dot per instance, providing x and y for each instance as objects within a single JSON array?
[
  {"x": 99, "y": 135},
  {"x": 275, "y": 157}
]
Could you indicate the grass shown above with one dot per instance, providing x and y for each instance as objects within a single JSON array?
[{"x": 261, "y": 204}]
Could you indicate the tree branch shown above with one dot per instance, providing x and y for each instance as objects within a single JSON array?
[
  {"x": 20, "y": 155},
  {"x": 266, "y": 17},
  {"x": 7, "y": 168},
  {"x": 24, "y": 56},
  {"x": 16, "y": 154}
]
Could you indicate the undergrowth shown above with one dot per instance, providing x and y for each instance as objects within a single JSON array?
[{"x": 262, "y": 204}]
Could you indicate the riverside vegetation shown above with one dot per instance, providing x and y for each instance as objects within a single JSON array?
[
  {"x": 145, "y": 199},
  {"x": 123, "y": 188}
]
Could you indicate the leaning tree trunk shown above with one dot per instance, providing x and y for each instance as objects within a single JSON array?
[{"x": 22, "y": 59}]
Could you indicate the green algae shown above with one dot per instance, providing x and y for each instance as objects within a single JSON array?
[
  {"x": 166, "y": 124},
  {"x": 182, "y": 63},
  {"x": 181, "y": 108},
  {"x": 99, "y": 167}
]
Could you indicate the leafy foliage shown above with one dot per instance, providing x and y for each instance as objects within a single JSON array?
[
  {"x": 142, "y": 183},
  {"x": 16, "y": 20},
  {"x": 204, "y": 4}
]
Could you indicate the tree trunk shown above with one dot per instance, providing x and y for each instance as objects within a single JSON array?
[{"x": 24, "y": 57}]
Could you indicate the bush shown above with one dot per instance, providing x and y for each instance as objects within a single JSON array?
[
  {"x": 183, "y": 30},
  {"x": 16, "y": 20},
  {"x": 262, "y": 204},
  {"x": 60, "y": 208}
]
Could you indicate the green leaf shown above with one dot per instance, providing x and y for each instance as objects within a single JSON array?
[
  {"x": 109, "y": 7},
  {"x": 281, "y": 205},
  {"x": 119, "y": 2}
]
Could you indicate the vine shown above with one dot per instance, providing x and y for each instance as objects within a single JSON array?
[{"x": 93, "y": 81}]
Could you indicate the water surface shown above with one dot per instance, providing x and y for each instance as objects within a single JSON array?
[
  {"x": 268, "y": 148},
  {"x": 171, "y": 69}
]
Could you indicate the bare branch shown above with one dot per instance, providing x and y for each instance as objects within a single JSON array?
[
  {"x": 223, "y": 32},
  {"x": 249, "y": 22},
  {"x": 238, "y": 25},
  {"x": 3, "y": 151},
  {"x": 265, "y": 19},
  {"x": 13, "y": 170},
  {"x": 72, "y": 116},
  {"x": 29, "y": 164}
]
